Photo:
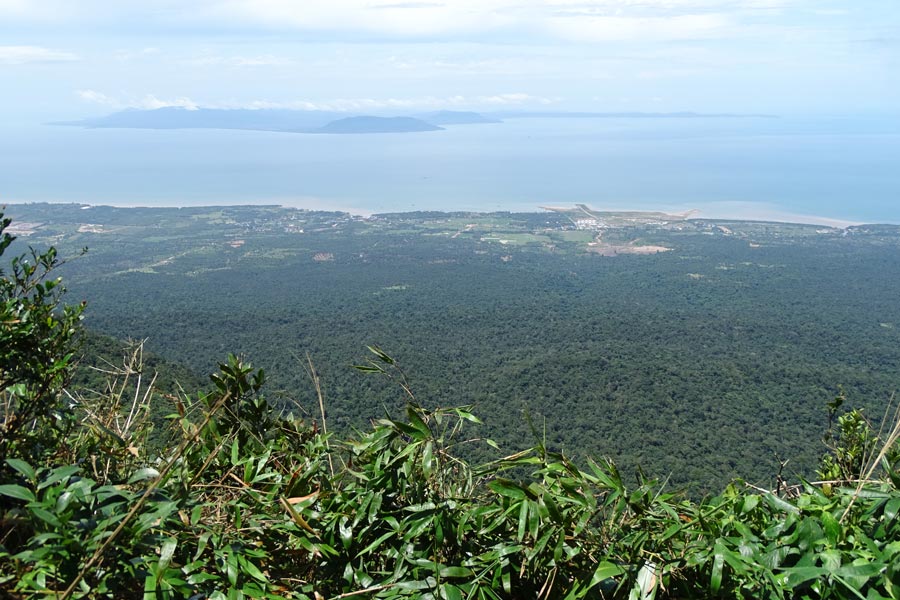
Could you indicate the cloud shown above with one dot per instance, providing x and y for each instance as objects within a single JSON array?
[
  {"x": 514, "y": 99},
  {"x": 95, "y": 97},
  {"x": 151, "y": 102},
  {"x": 148, "y": 102},
  {"x": 20, "y": 55},
  {"x": 413, "y": 103}
]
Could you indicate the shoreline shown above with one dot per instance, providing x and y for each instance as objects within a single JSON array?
[{"x": 726, "y": 211}]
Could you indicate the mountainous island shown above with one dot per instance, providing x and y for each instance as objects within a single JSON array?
[
  {"x": 315, "y": 121},
  {"x": 289, "y": 121}
]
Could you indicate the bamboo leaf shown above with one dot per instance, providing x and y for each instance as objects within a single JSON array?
[
  {"x": 605, "y": 570},
  {"x": 166, "y": 552},
  {"x": 428, "y": 460},
  {"x": 22, "y": 467},
  {"x": 17, "y": 491},
  {"x": 142, "y": 474},
  {"x": 507, "y": 488}
]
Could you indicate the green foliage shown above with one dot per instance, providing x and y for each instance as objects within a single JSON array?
[
  {"x": 853, "y": 445},
  {"x": 403, "y": 517},
  {"x": 36, "y": 352},
  {"x": 853, "y": 448}
]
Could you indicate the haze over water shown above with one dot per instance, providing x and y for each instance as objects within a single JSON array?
[{"x": 779, "y": 168}]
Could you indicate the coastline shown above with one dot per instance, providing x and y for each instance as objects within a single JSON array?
[{"x": 719, "y": 211}]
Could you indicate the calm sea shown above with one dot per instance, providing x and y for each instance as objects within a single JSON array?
[{"x": 790, "y": 168}]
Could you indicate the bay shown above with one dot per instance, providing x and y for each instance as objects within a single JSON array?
[{"x": 838, "y": 170}]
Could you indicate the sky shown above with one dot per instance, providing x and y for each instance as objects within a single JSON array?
[{"x": 69, "y": 59}]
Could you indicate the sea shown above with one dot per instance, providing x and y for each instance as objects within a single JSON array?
[{"x": 828, "y": 170}]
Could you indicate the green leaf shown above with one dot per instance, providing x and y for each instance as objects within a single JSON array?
[
  {"x": 751, "y": 501},
  {"x": 447, "y": 572},
  {"x": 144, "y": 473},
  {"x": 507, "y": 488},
  {"x": 166, "y": 552},
  {"x": 779, "y": 504},
  {"x": 346, "y": 532},
  {"x": 715, "y": 578},
  {"x": 380, "y": 354},
  {"x": 794, "y": 576},
  {"x": 231, "y": 568},
  {"x": 58, "y": 475},
  {"x": 523, "y": 521},
  {"x": 253, "y": 571},
  {"x": 22, "y": 467},
  {"x": 860, "y": 572},
  {"x": 17, "y": 491},
  {"x": 416, "y": 421},
  {"x": 46, "y": 516},
  {"x": 891, "y": 509},
  {"x": 832, "y": 528},
  {"x": 552, "y": 509},
  {"x": 605, "y": 570},
  {"x": 450, "y": 592},
  {"x": 428, "y": 460}
]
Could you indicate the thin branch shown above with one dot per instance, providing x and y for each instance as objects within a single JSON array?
[{"x": 311, "y": 370}]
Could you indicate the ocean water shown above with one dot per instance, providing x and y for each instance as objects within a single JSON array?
[{"x": 815, "y": 170}]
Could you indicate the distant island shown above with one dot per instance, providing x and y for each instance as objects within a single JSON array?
[
  {"x": 320, "y": 121},
  {"x": 514, "y": 114},
  {"x": 281, "y": 120}
]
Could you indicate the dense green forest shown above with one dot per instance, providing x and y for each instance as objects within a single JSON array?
[
  {"x": 709, "y": 361},
  {"x": 246, "y": 500}
]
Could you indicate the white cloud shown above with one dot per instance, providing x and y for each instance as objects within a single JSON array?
[
  {"x": 20, "y": 55},
  {"x": 514, "y": 99},
  {"x": 151, "y": 102},
  {"x": 413, "y": 103},
  {"x": 148, "y": 102},
  {"x": 95, "y": 97}
]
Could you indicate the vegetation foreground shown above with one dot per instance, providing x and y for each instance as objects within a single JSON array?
[{"x": 247, "y": 501}]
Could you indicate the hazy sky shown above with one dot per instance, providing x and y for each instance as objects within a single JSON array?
[{"x": 76, "y": 58}]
